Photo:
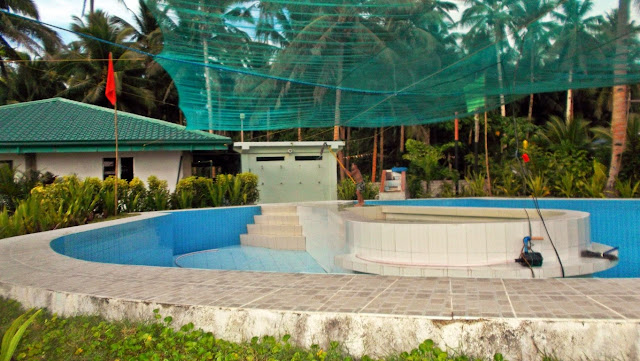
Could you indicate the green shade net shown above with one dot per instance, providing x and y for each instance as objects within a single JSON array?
[{"x": 300, "y": 63}]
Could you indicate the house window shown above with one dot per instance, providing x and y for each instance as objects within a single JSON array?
[
  {"x": 126, "y": 168},
  {"x": 308, "y": 157},
  {"x": 7, "y": 162},
  {"x": 108, "y": 167},
  {"x": 269, "y": 159}
]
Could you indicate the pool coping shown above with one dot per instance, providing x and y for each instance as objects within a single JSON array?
[{"x": 369, "y": 314}]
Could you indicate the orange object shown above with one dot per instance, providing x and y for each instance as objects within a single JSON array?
[{"x": 110, "y": 89}]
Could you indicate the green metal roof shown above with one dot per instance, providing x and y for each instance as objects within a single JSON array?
[{"x": 62, "y": 125}]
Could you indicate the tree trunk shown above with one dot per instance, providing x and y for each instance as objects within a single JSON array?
[
  {"x": 207, "y": 80},
  {"x": 569, "y": 111},
  {"x": 486, "y": 155},
  {"x": 402, "y": 139},
  {"x": 336, "y": 128},
  {"x": 503, "y": 108},
  {"x": 348, "y": 160},
  {"x": 619, "y": 114},
  {"x": 530, "y": 113},
  {"x": 428, "y": 140},
  {"x": 299, "y": 134},
  {"x": 476, "y": 138},
  {"x": 381, "y": 155},
  {"x": 341, "y": 154},
  {"x": 375, "y": 154}
]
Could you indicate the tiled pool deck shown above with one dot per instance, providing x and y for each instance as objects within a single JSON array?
[{"x": 33, "y": 273}]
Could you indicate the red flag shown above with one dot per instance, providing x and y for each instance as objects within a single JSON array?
[
  {"x": 525, "y": 157},
  {"x": 110, "y": 90}
]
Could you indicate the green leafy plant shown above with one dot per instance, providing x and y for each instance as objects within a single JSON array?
[
  {"x": 475, "y": 185},
  {"x": 567, "y": 185},
  {"x": 14, "y": 334},
  {"x": 216, "y": 192},
  {"x": 594, "y": 186},
  {"x": 250, "y": 186},
  {"x": 627, "y": 189},
  {"x": 425, "y": 160},
  {"x": 346, "y": 190},
  {"x": 538, "y": 186},
  {"x": 184, "y": 199},
  {"x": 158, "y": 195}
]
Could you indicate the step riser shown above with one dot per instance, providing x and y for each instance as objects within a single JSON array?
[
  {"x": 274, "y": 229},
  {"x": 273, "y": 242},
  {"x": 273, "y": 219},
  {"x": 277, "y": 210}
]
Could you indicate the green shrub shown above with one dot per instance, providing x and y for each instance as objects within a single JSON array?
[
  {"x": 250, "y": 187},
  {"x": 137, "y": 192},
  {"x": 594, "y": 186},
  {"x": 567, "y": 185},
  {"x": 158, "y": 195},
  {"x": 347, "y": 190},
  {"x": 538, "y": 186},
  {"x": 107, "y": 195},
  {"x": 627, "y": 189},
  {"x": 15, "y": 186},
  {"x": 475, "y": 187}
]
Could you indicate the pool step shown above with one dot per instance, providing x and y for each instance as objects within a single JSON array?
[
  {"x": 272, "y": 229},
  {"x": 278, "y": 227},
  {"x": 273, "y": 242},
  {"x": 279, "y": 210},
  {"x": 276, "y": 219}
]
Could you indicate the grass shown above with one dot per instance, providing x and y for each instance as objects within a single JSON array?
[{"x": 92, "y": 338}]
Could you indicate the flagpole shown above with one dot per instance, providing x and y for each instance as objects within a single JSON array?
[
  {"x": 115, "y": 186},
  {"x": 110, "y": 94}
]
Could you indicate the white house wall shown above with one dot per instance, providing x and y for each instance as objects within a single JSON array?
[
  {"x": 164, "y": 165},
  {"x": 18, "y": 160}
]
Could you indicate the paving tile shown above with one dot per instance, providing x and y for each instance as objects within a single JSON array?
[
  {"x": 405, "y": 301},
  {"x": 535, "y": 287},
  {"x": 292, "y": 299},
  {"x": 601, "y": 286},
  {"x": 559, "y": 306},
  {"x": 628, "y": 306},
  {"x": 348, "y": 301}
]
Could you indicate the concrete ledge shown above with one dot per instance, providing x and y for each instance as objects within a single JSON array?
[{"x": 371, "y": 334}]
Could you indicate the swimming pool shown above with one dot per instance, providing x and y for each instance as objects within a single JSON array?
[{"x": 160, "y": 240}]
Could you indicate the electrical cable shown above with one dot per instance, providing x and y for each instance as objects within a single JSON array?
[{"x": 533, "y": 197}]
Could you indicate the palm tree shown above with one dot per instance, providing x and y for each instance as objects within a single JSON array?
[
  {"x": 148, "y": 38},
  {"x": 30, "y": 79},
  {"x": 16, "y": 32},
  {"x": 86, "y": 74},
  {"x": 491, "y": 20},
  {"x": 620, "y": 96},
  {"x": 570, "y": 134},
  {"x": 535, "y": 39},
  {"x": 576, "y": 33}
]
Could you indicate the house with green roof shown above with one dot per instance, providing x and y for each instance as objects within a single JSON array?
[{"x": 68, "y": 137}]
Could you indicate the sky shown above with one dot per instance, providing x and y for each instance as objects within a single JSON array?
[{"x": 60, "y": 12}]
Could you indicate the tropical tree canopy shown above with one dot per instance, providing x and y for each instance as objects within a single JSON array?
[{"x": 372, "y": 63}]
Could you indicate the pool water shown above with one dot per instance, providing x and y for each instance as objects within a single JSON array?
[
  {"x": 161, "y": 240},
  {"x": 245, "y": 258}
]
